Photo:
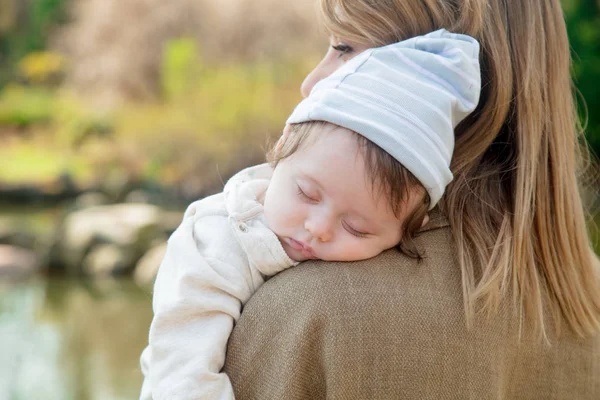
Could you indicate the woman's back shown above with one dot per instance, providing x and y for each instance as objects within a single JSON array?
[
  {"x": 512, "y": 271},
  {"x": 391, "y": 328}
]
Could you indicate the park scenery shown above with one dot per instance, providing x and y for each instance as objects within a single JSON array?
[{"x": 116, "y": 114}]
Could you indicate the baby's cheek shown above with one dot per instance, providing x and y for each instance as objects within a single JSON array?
[
  {"x": 270, "y": 216},
  {"x": 349, "y": 250},
  {"x": 268, "y": 210},
  {"x": 277, "y": 215},
  {"x": 367, "y": 249}
]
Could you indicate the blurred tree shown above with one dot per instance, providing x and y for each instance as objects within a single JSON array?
[
  {"x": 8, "y": 13},
  {"x": 129, "y": 37},
  {"x": 180, "y": 65},
  {"x": 583, "y": 24},
  {"x": 25, "y": 27},
  {"x": 116, "y": 49}
]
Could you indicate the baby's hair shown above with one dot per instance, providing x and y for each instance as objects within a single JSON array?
[{"x": 388, "y": 176}]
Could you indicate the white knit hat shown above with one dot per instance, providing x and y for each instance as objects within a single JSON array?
[{"x": 407, "y": 98}]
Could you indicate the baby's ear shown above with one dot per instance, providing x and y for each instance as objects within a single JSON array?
[{"x": 425, "y": 220}]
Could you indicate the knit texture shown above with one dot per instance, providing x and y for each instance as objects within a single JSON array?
[{"x": 390, "y": 328}]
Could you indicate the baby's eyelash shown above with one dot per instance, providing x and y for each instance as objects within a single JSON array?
[
  {"x": 355, "y": 232},
  {"x": 304, "y": 195}
]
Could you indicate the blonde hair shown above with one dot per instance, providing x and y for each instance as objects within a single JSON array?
[
  {"x": 514, "y": 206},
  {"x": 387, "y": 175}
]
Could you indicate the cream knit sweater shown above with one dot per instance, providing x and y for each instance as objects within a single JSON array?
[{"x": 217, "y": 258}]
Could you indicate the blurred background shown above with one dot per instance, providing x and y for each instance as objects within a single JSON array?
[{"x": 116, "y": 114}]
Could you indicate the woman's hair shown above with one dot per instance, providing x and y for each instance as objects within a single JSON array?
[
  {"x": 514, "y": 206},
  {"x": 388, "y": 177}
]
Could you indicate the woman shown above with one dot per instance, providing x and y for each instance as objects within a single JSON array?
[{"x": 506, "y": 303}]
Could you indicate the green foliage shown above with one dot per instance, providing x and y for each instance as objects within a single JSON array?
[
  {"x": 21, "y": 107},
  {"x": 583, "y": 24},
  {"x": 213, "y": 120},
  {"x": 41, "y": 67},
  {"x": 211, "y": 113},
  {"x": 27, "y": 162},
  {"x": 179, "y": 67},
  {"x": 41, "y": 132},
  {"x": 30, "y": 35}
]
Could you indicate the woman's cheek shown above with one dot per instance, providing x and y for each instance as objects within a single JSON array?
[{"x": 328, "y": 65}]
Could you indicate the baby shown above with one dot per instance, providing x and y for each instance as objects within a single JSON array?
[{"x": 367, "y": 156}]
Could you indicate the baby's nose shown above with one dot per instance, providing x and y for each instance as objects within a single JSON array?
[{"x": 320, "y": 229}]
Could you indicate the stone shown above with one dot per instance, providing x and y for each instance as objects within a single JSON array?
[
  {"x": 130, "y": 227},
  {"x": 169, "y": 221},
  {"x": 17, "y": 237},
  {"x": 90, "y": 199},
  {"x": 137, "y": 196},
  {"x": 17, "y": 262},
  {"x": 105, "y": 260},
  {"x": 147, "y": 267}
]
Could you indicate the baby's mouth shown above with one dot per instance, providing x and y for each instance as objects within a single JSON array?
[{"x": 305, "y": 249}]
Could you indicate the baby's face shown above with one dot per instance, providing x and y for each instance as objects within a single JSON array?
[{"x": 321, "y": 205}]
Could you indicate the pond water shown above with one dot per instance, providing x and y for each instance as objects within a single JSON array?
[{"x": 70, "y": 339}]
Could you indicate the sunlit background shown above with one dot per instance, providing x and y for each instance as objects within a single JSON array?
[{"x": 116, "y": 114}]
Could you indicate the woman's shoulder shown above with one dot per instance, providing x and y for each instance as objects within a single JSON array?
[
  {"x": 393, "y": 327},
  {"x": 396, "y": 278}
]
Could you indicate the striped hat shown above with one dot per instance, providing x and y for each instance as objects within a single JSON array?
[{"x": 407, "y": 98}]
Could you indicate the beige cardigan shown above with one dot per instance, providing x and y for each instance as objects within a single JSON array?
[
  {"x": 389, "y": 328},
  {"x": 215, "y": 260}
]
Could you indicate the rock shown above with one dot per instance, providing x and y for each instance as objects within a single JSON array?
[
  {"x": 169, "y": 221},
  {"x": 129, "y": 227},
  {"x": 147, "y": 267},
  {"x": 90, "y": 199},
  {"x": 16, "y": 237},
  {"x": 105, "y": 260},
  {"x": 17, "y": 262},
  {"x": 116, "y": 185},
  {"x": 137, "y": 196}
]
